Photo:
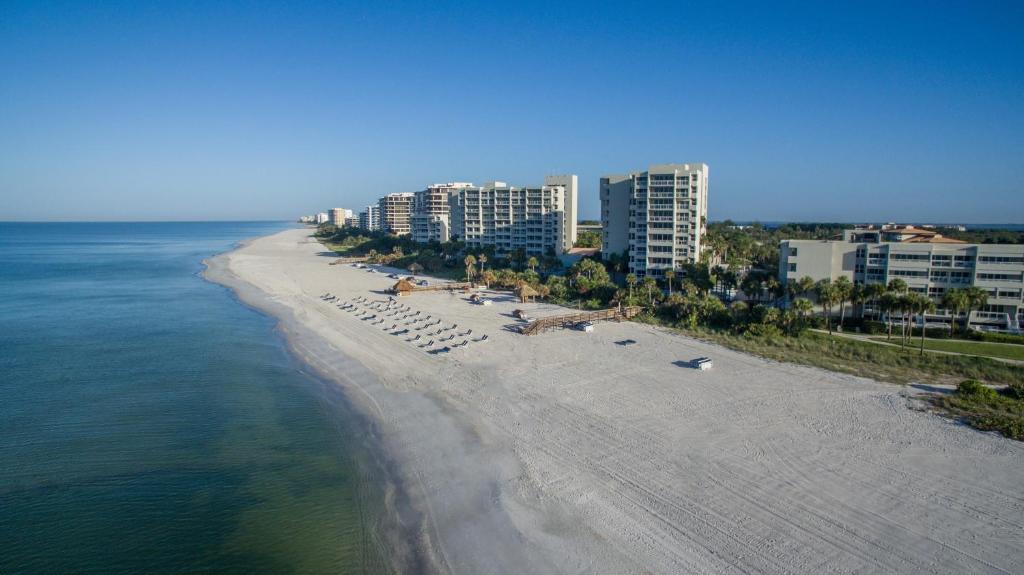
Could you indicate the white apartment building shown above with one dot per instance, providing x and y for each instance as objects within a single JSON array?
[
  {"x": 431, "y": 213},
  {"x": 657, "y": 217},
  {"x": 929, "y": 263},
  {"x": 535, "y": 219},
  {"x": 322, "y": 218},
  {"x": 369, "y": 219},
  {"x": 396, "y": 213},
  {"x": 338, "y": 216}
]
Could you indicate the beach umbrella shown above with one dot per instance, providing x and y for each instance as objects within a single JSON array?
[
  {"x": 525, "y": 292},
  {"x": 402, "y": 287}
]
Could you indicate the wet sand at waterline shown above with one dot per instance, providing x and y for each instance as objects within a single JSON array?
[{"x": 568, "y": 452}]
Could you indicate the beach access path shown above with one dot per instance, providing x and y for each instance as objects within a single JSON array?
[{"x": 572, "y": 452}]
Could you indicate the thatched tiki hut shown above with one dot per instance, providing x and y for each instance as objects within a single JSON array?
[
  {"x": 415, "y": 268},
  {"x": 526, "y": 293},
  {"x": 402, "y": 287}
]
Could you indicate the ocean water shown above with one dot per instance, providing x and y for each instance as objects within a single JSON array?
[{"x": 150, "y": 423}]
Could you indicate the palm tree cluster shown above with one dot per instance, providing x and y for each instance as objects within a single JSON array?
[{"x": 894, "y": 301}]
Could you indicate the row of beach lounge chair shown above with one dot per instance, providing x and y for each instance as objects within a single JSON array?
[{"x": 383, "y": 312}]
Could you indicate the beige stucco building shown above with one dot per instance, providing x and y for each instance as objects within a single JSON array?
[
  {"x": 396, "y": 213},
  {"x": 927, "y": 262},
  {"x": 658, "y": 217},
  {"x": 536, "y": 219}
]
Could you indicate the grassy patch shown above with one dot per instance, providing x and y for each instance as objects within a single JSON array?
[
  {"x": 1003, "y": 350},
  {"x": 985, "y": 410},
  {"x": 883, "y": 363}
]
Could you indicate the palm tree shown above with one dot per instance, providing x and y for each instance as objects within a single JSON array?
[
  {"x": 976, "y": 299},
  {"x": 858, "y": 296},
  {"x": 669, "y": 276},
  {"x": 923, "y": 305},
  {"x": 954, "y": 300},
  {"x": 631, "y": 281},
  {"x": 826, "y": 297},
  {"x": 873, "y": 292},
  {"x": 897, "y": 285},
  {"x": 532, "y": 263},
  {"x": 488, "y": 278},
  {"x": 843, "y": 290},
  {"x": 805, "y": 285},
  {"x": 470, "y": 262},
  {"x": 888, "y": 304},
  {"x": 651, "y": 285},
  {"x": 482, "y": 259},
  {"x": 802, "y": 306},
  {"x": 907, "y": 303}
]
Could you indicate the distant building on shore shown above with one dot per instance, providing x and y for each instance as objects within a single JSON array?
[
  {"x": 339, "y": 215},
  {"x": 658, "y": 217},
  {"x": 929, "y": 263},
  {"x": 535, "y": 219},
  {"x": 322, "y": 218},
  {"x": 431, "y": 212},
  {"x": 369, "y": 219},
  {"x": 396, "y": 213}
]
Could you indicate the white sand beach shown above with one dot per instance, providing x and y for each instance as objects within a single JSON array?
[{"x": 573, "y": 452}]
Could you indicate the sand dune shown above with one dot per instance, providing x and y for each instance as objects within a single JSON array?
[{"x": 567, "y": 452}]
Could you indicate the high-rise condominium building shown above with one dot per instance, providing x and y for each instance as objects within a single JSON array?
[
  {"x": 396, "y": 212},
  {"x": 657, "y": 218},
  {"x": 339, "y": 215},
  {"x": 536, "y": 219},
  {"x": 431, "y": 213},
  {"x": 322, "y": 218},
  {"x": 929, "y": 264},
  {"x": 369, "y": 219}
]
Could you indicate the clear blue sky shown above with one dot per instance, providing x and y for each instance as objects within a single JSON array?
[{"x": 804, "y": 111}]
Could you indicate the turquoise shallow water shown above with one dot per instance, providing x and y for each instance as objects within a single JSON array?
[{"x": 151, "y": 423}]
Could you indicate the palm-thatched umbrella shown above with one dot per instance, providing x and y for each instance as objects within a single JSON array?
[
  {"x": 415, "y": 268},
  {"x": 402, "y": 287},
  {"x": 525, "y": 292}
]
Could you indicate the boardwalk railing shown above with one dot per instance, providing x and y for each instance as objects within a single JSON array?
[{"x": 571, "y": 319}]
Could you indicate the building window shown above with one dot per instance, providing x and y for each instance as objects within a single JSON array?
[
  {"x": 792, "y": 267},
  {"x": 792, "y": 252}
]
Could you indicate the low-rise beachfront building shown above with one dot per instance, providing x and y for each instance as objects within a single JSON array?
[
  {"x": 431, "y": 212},
  {"x": 369, "y": 219},
  {"x": 396, "y": 213},
  {"x": 536, "y": 219},
  {"x": 658, "y": 217},
  {"x": 929, "y": 263}
]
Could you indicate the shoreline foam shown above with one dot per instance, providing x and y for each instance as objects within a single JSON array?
[{"x": 565, "y": 452}]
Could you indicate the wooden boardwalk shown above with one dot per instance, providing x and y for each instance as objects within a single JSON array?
[{"x": 571, "y": 319}]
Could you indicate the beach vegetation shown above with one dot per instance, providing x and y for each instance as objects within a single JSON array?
[{"x": 984, "y": 408}]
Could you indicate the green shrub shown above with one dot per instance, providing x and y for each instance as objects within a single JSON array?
[
  {"x": 996, "y": 337},
  {"x": 975, "y": 388},
  {"x": 1014, "y": 391},
  {"x": 873, "y": 327}
]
